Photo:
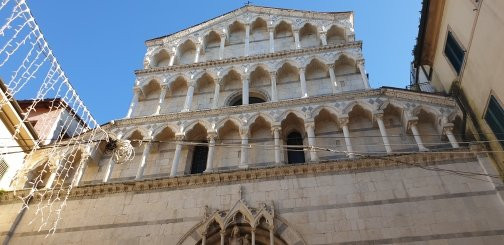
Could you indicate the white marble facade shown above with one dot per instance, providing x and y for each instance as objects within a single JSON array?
[{"x": 273, "y": 107}]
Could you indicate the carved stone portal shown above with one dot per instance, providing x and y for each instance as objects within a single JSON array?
[{"x": 242, "y": 225}]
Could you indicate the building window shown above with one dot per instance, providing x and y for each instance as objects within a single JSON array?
[
  {"x": 494, "y": 116},
  {"x": 199, "y": 159},
  {"x": 3, "y": 168},
  {"x": 454, "y": 52},
  {"x": 295, "y": 152}
]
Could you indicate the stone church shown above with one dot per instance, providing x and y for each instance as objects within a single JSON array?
[{"x": 259, "y": 127}]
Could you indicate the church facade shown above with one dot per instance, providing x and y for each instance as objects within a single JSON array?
[{"x": 260, "y": 127}]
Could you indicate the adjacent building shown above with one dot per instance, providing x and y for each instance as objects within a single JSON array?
[
  {"x": 458, "y": 52},
  {"x": 259, "y": 127},
  {"x": 16, "y": 139}
]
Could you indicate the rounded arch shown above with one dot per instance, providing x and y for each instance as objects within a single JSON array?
[{"x": 366, "y": 106}]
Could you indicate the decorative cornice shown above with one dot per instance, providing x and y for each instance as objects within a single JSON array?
[
  {"x": 389, "y": 92},
  {"x": 330, "y": 16},
  {"x": 252, "y": 59},
  {"x": 236, "y": 176}
]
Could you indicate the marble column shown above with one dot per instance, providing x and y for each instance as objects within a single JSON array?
[
  {"x": 271, "y": 39},
  {"x": 189, "y": 97},
  {"x": 247, "y": 39},
  {"x": 332, "y": 75},
  {"x": 383, "y": 131},
  {"x": 215, "y": 102},
  {"x": 134, "y": 101},
  {"x": 176, "y": 158},
  {"x": 245, "y": 90},
  {"x": 54, "y": 171},
  {"x": 198, "y": 51},
  {"x": 162, "y": 96},
  {"x": 253, "y": 231},
  {"x": 244, "y": 133},
  {"x": 143, "y": 160},
  {"x": 203, "y": 239},
  {"x": 276, "y": 138},
  {"x": 172, "y": 57},
  {"x": 362, "y": 70},
  {"x": 343, "y": 122},
  {"x": 211, "y": 149},
  {"x": 310, "y": 130},
  {"x": 323, "y": 37},
  {"x": 271, "y": 236},
  {"x": 448, "y": 131},
  {"x": 416, "y": 135},
  {"x": 222, "y": 237},
  {"x": 110, "y": 164},
  {"x": 84, "y": 160},
  {"x": 274, "y": 91},
  {"x": 222, "y": 43},
  {"x": 296, "y": 39},
  {"x": 302, "y": 78}
]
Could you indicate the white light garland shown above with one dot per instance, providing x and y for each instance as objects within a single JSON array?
[{"x": 26, "y": 53}]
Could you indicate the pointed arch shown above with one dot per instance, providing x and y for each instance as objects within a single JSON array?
[
  {"x": 286, "y": 113},
  {"x": 168, "y": 126},
  {"x": 336, "y": 34},
  {"x": 161, "y": 58},
  {"x": 366, "y": 106},
  {"x": 309, "y": 36},
  {"x": 205, "y": 124},
  {"x": 186, "y": 52},
  {"x": 315, "y": 112},
  {"x": 263, "y": 115},
  {"x": 234, "y": 120}
]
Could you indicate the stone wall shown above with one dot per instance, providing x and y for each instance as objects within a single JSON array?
[{"x": 382, "y": 205}]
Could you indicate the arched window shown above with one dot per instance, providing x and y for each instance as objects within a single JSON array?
[
  {"x": 254, "y": 98},
  {"x": 295, "y": 154},
  {"x": 199, "y": 159}
]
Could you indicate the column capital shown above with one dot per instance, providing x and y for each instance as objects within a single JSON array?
[
  {"x": 191, "y": 83},
  {"x": 310, "y": 124},
  {"x": 137, "y": 89},
  {"x": 331, "y": 65},
  {"x": 360, "y": 62},
  {"x": 447, "y": 127},
  {"x": 273, "y": 73},
  {"x": 222, "y": 35},
  {"x": 244, "y": 131},
  {"x": 222, "y": 232},
  {"x": 302, "y": 69},
  {"x": 211, "y": 135},
  {"x": 378, "y": 115},
  {"x": 277, "y": 128},
  {"x": 271, "y": 29},
  {"x": 253, "y": 229},
  {"x": 412, "y": 122},
  {"x": 343, "y": 121},
  {"x": 322, "y": 33},
  {"x": 179, "y": 136}
]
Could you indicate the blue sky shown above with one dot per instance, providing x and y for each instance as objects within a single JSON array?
[{"x": 100, "y": 43}]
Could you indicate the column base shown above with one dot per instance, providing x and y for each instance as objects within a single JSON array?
[
  {"x": 185, "y": 110},
  {"x": 208, "y": 171},
  {"x": 243, "y": 166}
]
